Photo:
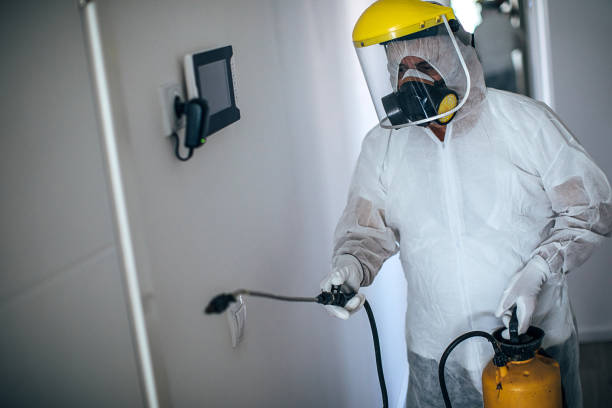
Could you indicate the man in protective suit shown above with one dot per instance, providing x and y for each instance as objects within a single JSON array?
[{"x": 487, "y": 196}]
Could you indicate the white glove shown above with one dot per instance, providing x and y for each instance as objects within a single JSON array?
[
  {"x": 523, "y": 291},
  {"x": 347, "y": 272}
]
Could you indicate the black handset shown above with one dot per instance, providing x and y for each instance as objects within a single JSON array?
[{"x": 197, "y": 114}]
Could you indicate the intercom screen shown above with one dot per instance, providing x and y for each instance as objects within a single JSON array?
[{"x": 214, "y": 85}]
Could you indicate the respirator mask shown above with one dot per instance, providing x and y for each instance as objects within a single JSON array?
[{"x": 416, "y": 101}]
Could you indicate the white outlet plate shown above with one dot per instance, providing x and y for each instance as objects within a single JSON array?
[
  {"x": 167, "y": 93},
  {"x": 236, "y": 317}
]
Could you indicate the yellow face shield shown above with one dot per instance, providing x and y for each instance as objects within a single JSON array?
[{"x": 411, "y": 62}]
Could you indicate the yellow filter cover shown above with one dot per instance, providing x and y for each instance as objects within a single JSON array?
[
  {"x": 448, "y": 103},
  {"x": 388, "y": 19}
]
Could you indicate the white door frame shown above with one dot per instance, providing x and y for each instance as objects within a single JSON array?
[
  {"x": 106, "y": 123},
  {"x": 540, "y": 57}
]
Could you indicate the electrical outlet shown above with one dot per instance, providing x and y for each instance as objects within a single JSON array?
[
  {"x": 236, "y": 317},
  {"x": 167, "y": 93}
]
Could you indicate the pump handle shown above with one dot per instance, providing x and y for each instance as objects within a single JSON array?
[{"x": 513, "y": 327}]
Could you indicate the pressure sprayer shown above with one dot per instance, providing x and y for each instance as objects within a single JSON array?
[
  {"x": 519, "y": 375},
  {"x": 335, "y": 297}
]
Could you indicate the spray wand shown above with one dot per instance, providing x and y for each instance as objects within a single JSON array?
[{"x": 335, "y": 297}]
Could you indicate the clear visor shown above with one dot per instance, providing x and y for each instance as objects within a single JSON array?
[{"x": 416, "y": 80}]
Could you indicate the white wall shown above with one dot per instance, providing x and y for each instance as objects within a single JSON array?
[
  {"x": 582, "y": 88},
  {"x": 256, "y": 206},
  {"x": 64, "y": 333}
]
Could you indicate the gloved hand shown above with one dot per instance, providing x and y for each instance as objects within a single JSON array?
[
  {"x": 523, "y": 291},
  {"x": 346, "y": 271}
]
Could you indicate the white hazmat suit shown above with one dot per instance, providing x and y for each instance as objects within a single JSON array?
[{"x": 509, "y": 188}]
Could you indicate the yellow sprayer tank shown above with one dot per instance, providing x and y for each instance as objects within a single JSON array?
[
  {"x": 529, "y": 379},
  {"x": 519, "y": 375},
  {"x": 532, "y": 383}
]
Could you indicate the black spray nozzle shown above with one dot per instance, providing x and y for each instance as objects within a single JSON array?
[{"x": 219, "y": 303}]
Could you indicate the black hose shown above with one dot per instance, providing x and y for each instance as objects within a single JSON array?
[
  {"x": 368, "y": 309},
  {"x": 221, "y": 302},
  {"x": 379, "y": 368},
  {"x": 499, "y": 358}
]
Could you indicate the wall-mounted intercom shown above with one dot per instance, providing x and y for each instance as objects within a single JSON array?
[
  {"x": 209, "y": 75},
  {"x": 211, "y": 98}
]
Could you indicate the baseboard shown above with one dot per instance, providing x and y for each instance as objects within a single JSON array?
[{"x": 595, "y": 334}]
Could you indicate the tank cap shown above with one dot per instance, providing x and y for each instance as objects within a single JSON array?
[{"x": 523, "y": 349}]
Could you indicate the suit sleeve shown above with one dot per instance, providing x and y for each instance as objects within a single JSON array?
[
  {"x": 363, "y": 230},
  {"x": 580, "y": 197}
]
